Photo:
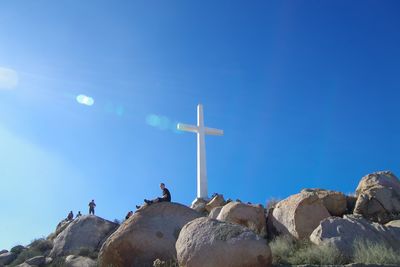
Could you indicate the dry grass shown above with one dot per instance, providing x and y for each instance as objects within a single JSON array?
[
  {"x": 368, "y": 252},
  {"x": 287, "y": 251}
]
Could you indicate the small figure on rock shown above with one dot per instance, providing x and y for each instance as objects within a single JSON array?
[
  {"x": 70, "y": 216},
  {"x": 79, "y": 214},
  {"x": 92, "y": 205},
  {"x": 130, "y": 213},
  {"x": 166, "y": 196}
]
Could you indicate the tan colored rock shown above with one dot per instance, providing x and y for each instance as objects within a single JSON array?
[
  {"x": 206, "y": 242},
  {"x": 378, "y": 197},
  {"x": 395, "y": 223},
  {"x": 79, "y": 261},
  {"x": 251, "y": 216},
  {"x": 215, "y": 212},
  {"x": 149, "y": 234},
  {"x": 342, "y": 232},
  {"x": 199, "y": 205},
  {"x": 335, "y": 202},
  {"x": 86, "y": 232},
  {"x": 216, "y": 201},
  {"x": 60, "y": 227},
  {"x": 298, "y": 215}
]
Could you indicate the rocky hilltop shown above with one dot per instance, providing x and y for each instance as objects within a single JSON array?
[{"x": 218, "y": 232}]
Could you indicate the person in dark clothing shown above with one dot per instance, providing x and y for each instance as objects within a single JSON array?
[
  {"x": 70, "y": 216},
  {"x": 130, "y": 213},
  {"x": 166, "y": 197},
  {"x": 78, "y": 215},
  {"x": 92, "y": 205}
]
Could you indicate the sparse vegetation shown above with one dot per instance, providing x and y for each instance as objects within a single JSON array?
[
  {"x": 24, "y": 255},
  {"x": 285, "y": 250},
  {"x": 41, "y": 244},
  {"x": 368, "y": 252},
  {"x": 37, "y": 247}
]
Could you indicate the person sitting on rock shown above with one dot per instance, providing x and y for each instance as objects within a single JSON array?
[
  {"x": 130, "y": 213},
  {"x": 70, "y": 216},
  {"x": 166, "y": 196},
  {"x": 78, "y": 215},
  {"x": 92, "y": 205}
]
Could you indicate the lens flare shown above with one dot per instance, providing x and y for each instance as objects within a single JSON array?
[
  {"x": 162, "y": 123},
  {"x": 85, "y": 100},
  {"x": 8, "y": 78}
]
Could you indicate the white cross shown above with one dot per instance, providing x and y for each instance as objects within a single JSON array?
[{"x": 201, "y": 131}]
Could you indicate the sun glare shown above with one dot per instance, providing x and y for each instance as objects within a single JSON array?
[
  {"x": 85, "y": 100},
  {"x": 8, "y": 78}
]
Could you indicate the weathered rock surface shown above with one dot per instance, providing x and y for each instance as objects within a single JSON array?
[
  {"x": 298, "y": 215},
  {"x": 251, "y": 216},
  {"x": 38, "y": 260},
  {"x": 199, "y": 205},
  {"x": 342, "y": 232},
  {"x": 395, "y": 223},
  {"x": 79, "y": 261},
  {"x": 216, "y": 201},
  {"x": 215, "y": 212},
  {"x": 60, "y": 227},
  {"x": 378, "y": 197},
  {"x": 87, "y": 232},
  {"x": 206, "y": 242},
  {"x": 149, "y": 234},
  {"x": 7, "y": 258},
  {"x": 335, "y": 202},
  {"x": 3, "y": 251}
]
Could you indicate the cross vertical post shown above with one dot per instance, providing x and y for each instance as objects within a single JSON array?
[{"x": 201, "y": 131}]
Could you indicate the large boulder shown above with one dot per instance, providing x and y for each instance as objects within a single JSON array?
[
  {"x": 3, "y": 251},
  {"x": 206, "y": 242},
  {"x": 79, "y": 261},
  {"x": 216, "y": 201},
  {"x": 343, "y": 232},
  {"x": 86, "y": 232},
  {"x": 335, "y": 202},
  {"x": 378, "y": 197},
  {"x": 7, "y": 258},
  {"x": 149, "y": 234},
  {"x": 215, "y": 212},
  {"x": 251, "y": 216},
  {"x": 298, "y": 215}
]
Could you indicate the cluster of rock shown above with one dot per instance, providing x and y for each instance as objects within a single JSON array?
[
  {"x": 216, "y": 232},
  {"x": 331, "y": 218},
  {"x": 83, "y": 236}
]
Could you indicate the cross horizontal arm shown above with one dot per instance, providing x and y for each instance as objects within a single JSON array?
[
  {"x": 213, "y": 131},
  {"x": 187, "y": 128}
]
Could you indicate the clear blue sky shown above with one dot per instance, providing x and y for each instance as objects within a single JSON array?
[{"x": 307, "y": 93}]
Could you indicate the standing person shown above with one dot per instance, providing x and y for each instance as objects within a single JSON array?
[
  {"x": 166, "y": 196},
  {"x": 92, "y": 205}
]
